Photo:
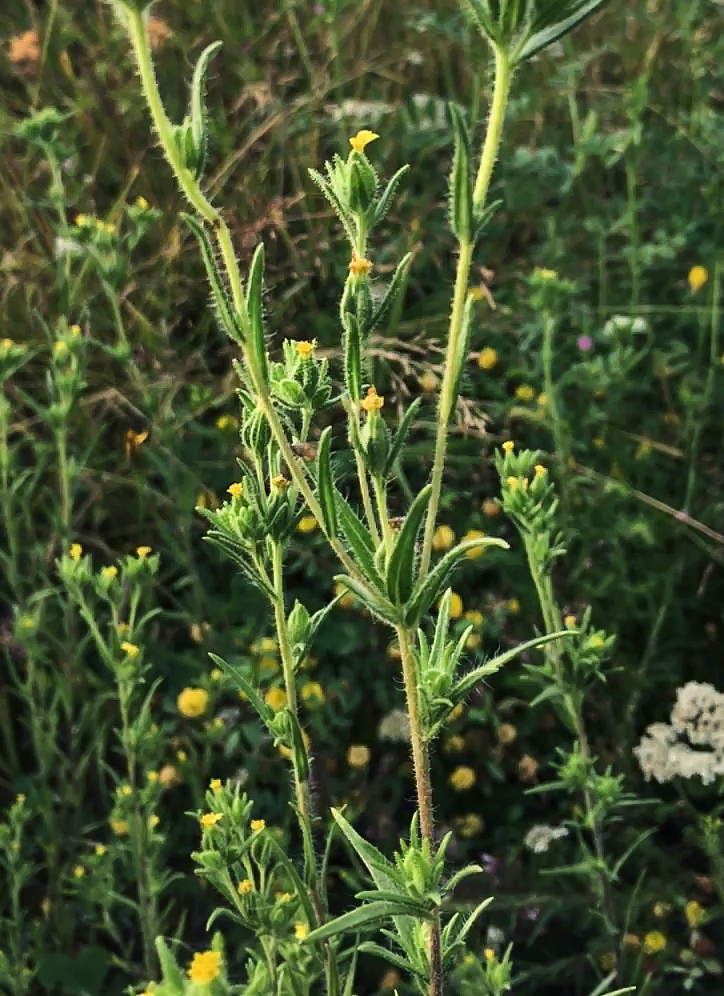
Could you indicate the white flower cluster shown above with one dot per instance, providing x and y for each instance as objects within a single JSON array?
[
  {"x": 395, "y": 726},
  {"x": 697, "y": 716},
  {"x": 539, "y": 838},
  {"x": 624, "y": 323}
]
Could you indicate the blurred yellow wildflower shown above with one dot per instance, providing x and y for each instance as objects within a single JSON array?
[
  {"x": 654, "y": 942},
  {"x": 120, "y": 827},
  {"x": 358, "y": 756},
  {"x": 469, "y": 825},
  {"x": 276, "y": 698},
  {"x": 698, "y": 276},
  {"x": 305, "y": 349},
  {"x": 694, "y": 913},
  {"x": 192, "y": 702},
  {"x": 524, "y": 392},
  {"x": 312, "y": 693},
  {"x": 205, "y": 967},
  {"x": 76, "y": 551},
  {"x": 235, "y": 490},
  {"x": 362, "y": 139},
  {"x": 507, "y": 734},
  {"x": 130, "y": 649},
  {"x": 508, "y": 446},
  {"x": 487, "y": 358},
  {"x": 245, "y": 887},
  {"x": 359, "y": 267},
  {"x": 257, "y": 825},
  {"x": 301, "y": 931},
  {"x": 462, "y": 778},
  {"x": 443, "y": 538},
  {"x": 208, "y": 820},
  {"x": 373, "y": 402},
  {"x": 307, "y": 524},
  {"x": 109, "y": 573}
]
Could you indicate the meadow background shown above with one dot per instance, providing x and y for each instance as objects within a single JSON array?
[{"x": 118, "y": 417}]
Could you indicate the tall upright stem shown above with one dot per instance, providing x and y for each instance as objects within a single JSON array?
[{"x": 466, "y": 247}]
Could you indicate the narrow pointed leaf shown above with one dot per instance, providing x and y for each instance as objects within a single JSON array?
[
  {"x": 398, "y": 440},
  {"x": 375, "y": 602},
  {"x": 431, "y": 587},
  {"x": 401, "y": 567},
  {"x": 461, "y": 178},
  {"x": 224, "y": 309},
  {"x": 396, "y": 286},
  {"x": 359, "y": 541},
  {"x": 325, "y": 483},
  {"x": 198, "y": 110},
  {"x": 544, "y": 34},
  {"x": 363, "y": 918},
  {"x": 265, "y": 712},
  {"x": 255, "y": 288},
  {"x": 385, "y": 201}
]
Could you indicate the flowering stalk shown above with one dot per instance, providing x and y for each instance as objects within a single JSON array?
[{"x": 451, "y": 375}]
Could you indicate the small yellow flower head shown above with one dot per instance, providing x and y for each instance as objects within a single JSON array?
[
  {"x": 512, "y": 483},
  {"x": 373, "y": 402},
  {"x": 205, "y": 967},
  {"x": 660, "y": 910},
  {"x": 359, "y": 266},
  {"x": 524, "y": 392},
  {"x": 429, "y": 381},
  {"x": 120, "y": 827},
  {"x": 152, "y": 777},
  {"x": 456, "y": 712},
  {"x": 607, "y": 961},
  {"x": 61, "y": 348},
  {"x": 540, "y": 470},
  {"x": 474, "y": 616},
  {"x": 570, "y": 621},
  {"x": 654, "y": 942},
  {"x": 456, "y": 606},
  {"x": 215, "y": 784},
  {"x": 544, "y": 274},
  {"x": 235, "y": 490},
  {"x": 487, "y": 358},
  {"x": 469, "y": 825},
  {"x": 698, "y": 276},
  {"x": 513, "y": 606},
  {"x": 276, "y": 698},
  {"x": 153, "y": 821},
  {"x": 133, "y": 440},
  {"x": 76, "y": 551},
  {"x": 527, "y": 768},
  {"x": 226, "y": 422},
  {"x": 474, "y": 641},
  {"x": 362, "y": 139},
  {"x": 46, "y": 906},
  {"x": 301, "y": 931},
  {"x": 181, "y": 756},
  {"x": 108, "y": 573},
  {"x": 312, "y": 693},
  {"x": 168, "y": 775},
  {"x": 283, "y": 897},
  {"x": 694, "y": 913},
  {"x": 454, "y": 744},
  {"x": 443, "y": 538},
  {"x": 208, "y": 820},
  {"x": 6, "y": 343},
  {"x": 280, "y": 482},
  {"x": 474, "y": 534},
  {"x": 358, "y": 756},
  {"x": 632, "y": 940},
  {"x": 306, "y": 349},
  {"x": 193, "y": 702},
  {"x": 142, "y": 203},
  {"x": 79, "y": 871},
  {"x": 489, "y": 954},
  {"x": 543, "y": 400},
  {"x": 125, "y": 790},
  {"x": 462, "y": 779},
  {"x": 142, "y": 552},
  {"x": 508, "y": 446},
  {"x": 245, "y": 887},
  {"x": 491, "y": 507},
  {"x": 216, "y": 674},
  {"x": 307, "y": 524},
  {"x": 80, "y": 220},
  {"x": 130, "y": 649},
  {"x": 75, "y": 331},
  {"x": 100, "y": 850},
  {"x": 507, "y": 734},
  {"x": 257, "y": 825}
]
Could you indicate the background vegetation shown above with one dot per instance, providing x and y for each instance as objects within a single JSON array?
[{"x": 118, "y": 416}]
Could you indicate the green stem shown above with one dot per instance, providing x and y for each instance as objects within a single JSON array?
[
  {"x": 381, "y": 501},
  {"x": 421, "y": 763},
  {"x": 450, "y": 376},
  {"x": 557, "y": 424},
  {"x": 635, "y": 247},
  {"x": 6, "y": 503}
]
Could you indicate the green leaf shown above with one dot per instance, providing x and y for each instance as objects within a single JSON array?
[
  {"x": 198, "y": 110},
  {"x": 375, "y": 602},
  {"x": 482, "y": 217},
  {"x": 461, "y": 179},
  {"x": 430, "y": 588},
  {"x": 325, "y": 483},
  {"x": 370, "y": 947},
  {"x": 359, "y": 541},
  {"x": 265, "y": 712},
  {"x": 222, "y": 305},
  {"x": 401, "y": 567},
  {"x": 383, "y": 872},
  {"x": 495, "y": 663},
  {"x": 396, "y": 285},
  {"x": 302, "y": 892},
  {"x": 172, "y": 974},
  {"x": 301, "y": 758},
  {"x": 352, "y": 347},
  {"x": 344, "y": 216},
  {"x": 545, "y": 30},
  {"x": 385, "y": 201},
  {"x": 363, "y": 918},
  {"x": 254, "y": 290},
  {"x": 398, "y": 440}
]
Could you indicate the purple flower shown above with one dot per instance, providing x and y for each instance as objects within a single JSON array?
[
  {"x": 319, "y": 9},
  {"x": 491, "y": 865},
  {"x": 584, "y": 342}
]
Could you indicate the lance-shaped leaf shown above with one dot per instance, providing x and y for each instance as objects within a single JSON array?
[
  {"x": 369, "y": 917},
  {"x": 397, "y": 285},
  {"x": 371, "y": 599},
  {"x": 325, "y": 483},
  {"x": 255, "y": 287},
  {"x": 461, "y": 179},
  {"x": 482, "y": 217},
  {"x": 495, "y": 663},
  {"x": 430, "y": 587},
  {"x": 552, "y": 20},
  {"x": 173, "y": 977},
  {"x": 301, "y": 758},
  {"x": 264, "y": 711},
  {"x": 224, "y": 309},
  {"x": 398, "y": 440},
  {"x": 359, "y": 541},
  {"x": 384, "y": 203},
  {"x": 369, "y": 947},
  {"x": 461, "y": 351},
  {"x": 344, "y": 216},
  {"x": 401, "y": 566},
  {"x": 197, "y": 113}
]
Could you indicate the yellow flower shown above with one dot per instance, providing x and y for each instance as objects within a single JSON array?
[
  {"x": 306, "y": 349},
  {"x": 142, "y": 552},
  {"x": 61, "y": 348},
  {"x": 276, "y": 698},
  {"x": 125, "y": 790},
  {"x": 168, "y": 775},
  {"x": 205, "y": 967},
  {"x": 208, "y": 820},
  {"x": 489, "y": 954},
  {"x": 100, "y": 850},
  {"x": 443, "y": 538},
  {"x": 142, "y": 203},
  {"x": 268, "y": 665},
  {"x": 7, "y": 343},
  {"x": 508, "y": 446},
  {"x": 307, "y": 524},
  {"x": 544, "y": 274},
  {"x": 46, "y": 906},
  {"x": 474, "y": 641},
  {"x": 109, "y": 573},
  {"x": 632, "y": 940},
  {"x": 654, "y": 942},
  {"x": 429, "y": 381},
  {"x": 358, "y": 756},
  {"x": 216, "y": 674},
  {"x": 527, "y": 768},
  {"x": 507, "y": 734},
  {"x": 453, "y": 744},
  {"x": 362, "y": 139},
  {"x": 283, "y": 897},
  {"x": 469, "y": 825},
  {"x": 359, "y": 266},
  {"x": 607, "y": 961},
  {"x": 512, "y": 482},
  {"x": 181, "y": 756},
  {"x": 542, "y": 400},
  {"x": 487, "y": 358},
  {"x": 570, "y": 622},
  {"x": 513, "y": 605},
  {"x": 133, "y": 440},
  {"x": 130, "y": 649},
  {"x": 79, "y": 871},
  {"x": 473, "y": 534},
  {"x": 456, "y": 606},
  {"x": 312, "y": 693},
  {"x": 539, "y": 469},
  {"x": 524, "y": 392},
  {"x": 153, "y": 821},
  {"x": 462, "y": 779},
  {"x": 257, "y": 825},
  {"x": 120, "y": 827},
  {"x": 698, "y": 276},
  {"x": 226, "y": 422},
  {"x": 475, "y": 617},
  {"x": 235, "y": 490},
  {"x": 193, "y": 702},
  {"x": 301, "y": 930},
  {"x": 694, "y": 913},
  {"x": 456, "y": 712},
  {"x": 152, "y": 776},
  {"x": 373, "y": 402},
  {"x": 491, "y": 507},
  {"x": 76, "y": 551},
  {"x": 215, "y": 784}
]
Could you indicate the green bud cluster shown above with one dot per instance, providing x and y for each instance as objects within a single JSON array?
[{"x": 301, "y": 383}]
